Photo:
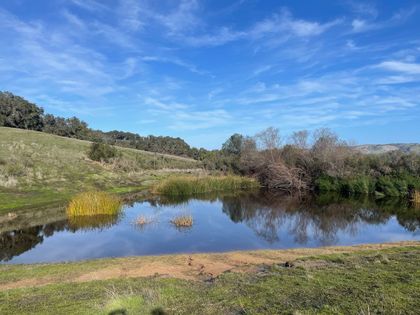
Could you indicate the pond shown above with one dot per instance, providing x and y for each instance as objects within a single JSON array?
[{"x": 226, "y": 222}]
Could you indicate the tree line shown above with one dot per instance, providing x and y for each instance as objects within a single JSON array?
[
  {"x": 16, "y": 112},
  {"x": 320, "y": 161}
]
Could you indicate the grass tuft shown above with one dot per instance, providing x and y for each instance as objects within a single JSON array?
[
  {"x": 182, "y": 221},
  {"x": 188, "y": 185},
  {"x": 143, "y": 220},
  {"x": 94, "y": 203}
]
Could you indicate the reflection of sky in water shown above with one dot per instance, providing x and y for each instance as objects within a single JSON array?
[{"x": 252, "y": 226}]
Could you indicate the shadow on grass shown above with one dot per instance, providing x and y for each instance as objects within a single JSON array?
[
  {"x": 123, "y": 311},
  {"x": 158, "y": 311}
]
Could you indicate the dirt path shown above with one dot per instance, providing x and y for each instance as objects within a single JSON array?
[{"x": 189, "y": 267}]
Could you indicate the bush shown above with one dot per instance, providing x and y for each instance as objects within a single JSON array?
[
  {"x": 102, "y": 152},
  {"x": 387, "y": 186},
  {"x": 358, "y": 186},
  {"x": 325, "y": 183}
]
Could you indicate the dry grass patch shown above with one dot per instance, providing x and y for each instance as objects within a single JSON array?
[
  {"x": 143, "y": 220},
  {"x": 94, "y": 203},
  {"x": 183, "y": 221}
]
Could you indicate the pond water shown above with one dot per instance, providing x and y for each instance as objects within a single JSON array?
[{"x": 243, "y": 221}]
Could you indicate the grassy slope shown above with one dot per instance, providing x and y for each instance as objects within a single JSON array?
[
  {"x": 37, "y": 168},
  {"x": 385, "y": 281}
]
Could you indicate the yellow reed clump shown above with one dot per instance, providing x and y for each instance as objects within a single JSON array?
[
  {"x": 182, "y": 221},
  {"x": 94, "y": 203}
]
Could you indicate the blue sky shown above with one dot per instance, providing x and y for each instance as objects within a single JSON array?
[{"x": 203, "y": 70}]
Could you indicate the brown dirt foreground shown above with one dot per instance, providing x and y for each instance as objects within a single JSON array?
[{"x": 190, "y": 267}]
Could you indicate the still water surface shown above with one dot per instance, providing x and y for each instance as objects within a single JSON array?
[{"x": 221, "y": 223}]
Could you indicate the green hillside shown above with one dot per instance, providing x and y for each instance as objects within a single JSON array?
[{"x": 37, "y": 167}]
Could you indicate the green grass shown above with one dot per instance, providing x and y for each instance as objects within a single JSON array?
[
  {"x": 189, "y": 185},
  {"x": 40, "y": 168},
  {"x": 366, "y": 282},
  {"x": 380, "y": 186}
]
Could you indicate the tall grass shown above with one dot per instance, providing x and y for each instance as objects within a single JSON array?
[
  {"x": 188, "y": 185},
  {"x": 94, "y": 203}
]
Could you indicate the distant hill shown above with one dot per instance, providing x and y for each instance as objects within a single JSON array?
[{"x": 383, "y": 148}]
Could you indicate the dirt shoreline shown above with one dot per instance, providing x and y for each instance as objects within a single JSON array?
[{"x": 195, "y": 267}]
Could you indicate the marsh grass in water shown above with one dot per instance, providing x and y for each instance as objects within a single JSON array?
[
  {"x": 183, "y": 221},
  {"x": 142, "y": 220},
  {"x": 94, "y": 203},
  {"x": 189, "y": 185}
]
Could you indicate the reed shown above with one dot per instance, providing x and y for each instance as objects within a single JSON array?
[
  {"x": 182, "y": 221},
  {"x": 188, "y": 185},
  {"x": 94, "y": 203},
  {"x": 143, "y": 220},
  {"x": 416, "y": 197}
]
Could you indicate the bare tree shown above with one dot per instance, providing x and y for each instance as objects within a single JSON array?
[
  {"x": 330, "y": 153},
  {"x": 300, "y": 139},
  {"x": 269, "y": 142}
]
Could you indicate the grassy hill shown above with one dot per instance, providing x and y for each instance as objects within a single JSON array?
[{"x": 36, "y": 167}]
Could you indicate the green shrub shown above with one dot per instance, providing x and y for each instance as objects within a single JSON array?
[
  {"x": 102, "y": 152},
  {"x": 326, "y": 183},
  {"x": 387, "y": 186},
  {"x": 358, "y": 186}
]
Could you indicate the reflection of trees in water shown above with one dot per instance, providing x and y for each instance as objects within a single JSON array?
[
  {"x": 322, "y": 218},
  {"x": 160, "y": 201},
  {"x": 13, "y": 243}
]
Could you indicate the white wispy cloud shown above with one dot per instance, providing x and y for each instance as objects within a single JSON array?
[
  {"x": 130, "y": 12},
  {"x": 90, "y": 5},
  {"x": 363, "y": 8},
  {"x": 164, "y": 105},
  {"x": 363, "y": 25},
  {"x": 175, "y": 61},
  {"x": 183, "y": 18},
  {"x": 194, "y": 120},
  {"x": 283, "y": 24},
  {"x": 398, "y": 66}
]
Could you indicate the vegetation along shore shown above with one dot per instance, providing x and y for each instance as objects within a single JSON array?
[{"x": 54, "y": 158}]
